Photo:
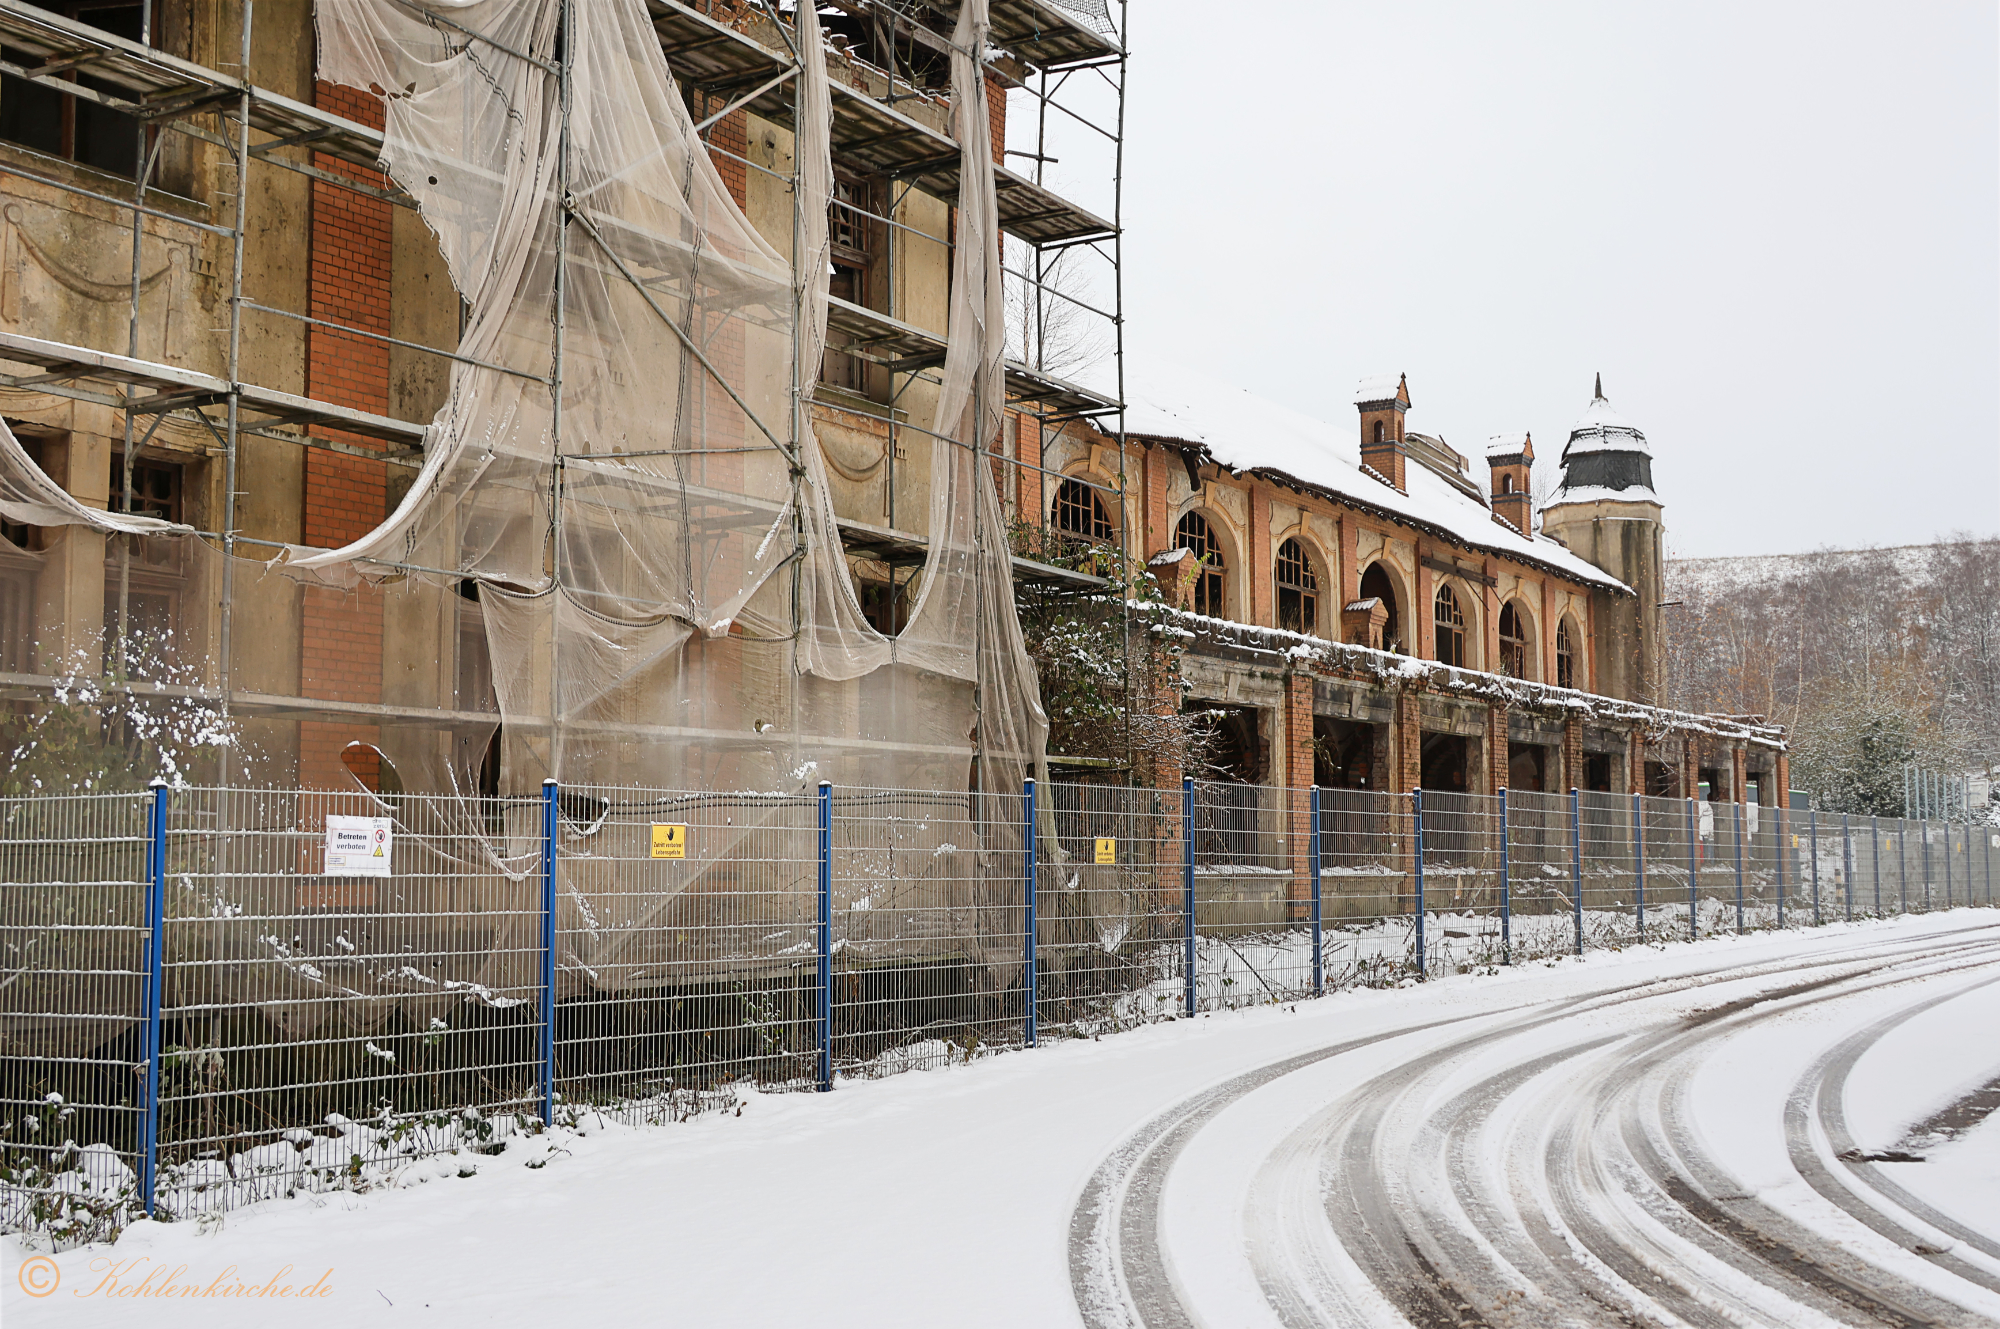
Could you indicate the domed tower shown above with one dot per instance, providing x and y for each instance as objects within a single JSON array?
[{"x": 1605, "y": 510}]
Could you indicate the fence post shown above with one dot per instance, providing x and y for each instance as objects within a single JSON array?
[
  {"x": 1506, "y": 888},
  {"x": 1902, "y": 865},
  {"x": 1812, "y": 849},
  {"x": 1639, "y": 863},
  {"x": 1924, "y": 847},
  {"x": 1188, "y": 994},
  {"x": 547, "y": 1051},
  {"x": 1847, "y": 863},
  {"x": 1738, "y": 819},
  {"x": 1417, "y": 844},
  {"x": 154, "y": 953},
  {"x": 1947, "y": 865},
  {"x": 1875, "y": 848},
  {"x": 1028, "y": 946},
  {"x": 1694, "y": 869},
  {"x": 1780, "y": 832},
  {"x": 1319, "y": 971},
  {"x": 823, "y": 945},
  {"x": 1576, "y": 860}
]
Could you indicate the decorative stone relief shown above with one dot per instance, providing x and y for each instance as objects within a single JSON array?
[{"x": 46, "y": 294}]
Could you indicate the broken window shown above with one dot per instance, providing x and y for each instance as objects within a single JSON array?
[
  {"x": 1194, "y": 535},
  {"x": 1298, "y": 589},
  {"x": 1565, "y": 655},
  {"x": 851, "y": 250},
  {"x": 1513, "y": 642},
  {"x": 40, "y": 117},
  {"x": 883, "y": 604},
  {"x": 1449, "y": 620},
  {"x": 1080, "y": 512}
]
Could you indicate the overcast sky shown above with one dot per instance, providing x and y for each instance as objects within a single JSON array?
[{"x": 1775, "y": 228}]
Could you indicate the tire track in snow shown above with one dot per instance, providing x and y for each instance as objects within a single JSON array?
[{"x": 1121, "y": 1276}]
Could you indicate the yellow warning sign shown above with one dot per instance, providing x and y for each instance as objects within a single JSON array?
[
  {"x": 670, "y": 841},
  {"x": 1107, "y": 849}
]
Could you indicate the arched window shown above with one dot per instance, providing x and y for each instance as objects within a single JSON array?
[
  {"x": 1449, "y": 620},
  {"x": 1298, "y": 589},
  {"x": 1565, "y": 655},
  {"x": 1380, "y": 435},
  {"x": 1194, "y": 535},
  {"x": 1080, "y": 511},
  {"x": 1375, "y": 585},
  {"x": 1513, "y": 642},
  {"x": 1507, "y": 484}
]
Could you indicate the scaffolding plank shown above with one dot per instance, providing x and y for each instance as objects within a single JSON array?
[
  {"x": 285, "y": 408},
  {"x": 879, "y": 139},
  {"x": 1040, "y": 33},
  {"x": 903, "y": 347},
  {"x": 82, "y": 362}
]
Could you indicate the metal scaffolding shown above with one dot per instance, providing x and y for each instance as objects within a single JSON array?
[{"x": 726, "y": 58}]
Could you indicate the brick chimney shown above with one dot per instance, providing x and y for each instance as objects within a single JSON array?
[
  {"x": 1510, "y": 456},
  {"x": 1383, "y": 402}
]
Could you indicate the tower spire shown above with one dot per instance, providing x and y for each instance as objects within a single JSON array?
[{"x": 1600, "y": 385}]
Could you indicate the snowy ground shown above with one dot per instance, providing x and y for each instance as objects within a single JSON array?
[{"x": 1625, "y": 1138}]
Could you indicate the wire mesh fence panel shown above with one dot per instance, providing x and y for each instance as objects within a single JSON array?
[
  {"x": 929, "y": 917},
  {"x": 1609, "y": 842},
  {"x": 1108, "y": 908},
  {"x": 1670, "y": 838},
  {"x": 351, "y": 984},
  {"x": 686, "y": 955},
  {"x": 1252, "y": 894},
  {"x": 1716, "y": 877},
  {"x": 1541, "y": 854},
  {"x": 73, "y": 872},
  {"x": 1762, "y": 827},
  {"x": 1462, "y": 882},
  {"x": 1367, "y": 889}
]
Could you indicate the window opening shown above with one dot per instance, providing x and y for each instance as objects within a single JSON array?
[
  {"x": 45, "y": 120},
  {"x": 1565, "y": 656},
  {"x": 851, "y": 250},
  {"x": 1513, "y": 642},
  {"x": 1298, "y": 589},
  {"x": 1375, "y": 585},
  {"x": 1080, "y": 512},
  {"x": 1449, "y": 620},
  {"x": 1193, "y": 534},
  {"x": 883, "y": 604}
]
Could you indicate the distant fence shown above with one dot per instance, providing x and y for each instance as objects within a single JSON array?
[{"x": 214, "y": 996}]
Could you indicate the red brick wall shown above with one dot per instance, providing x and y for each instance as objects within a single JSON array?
[
  {"x": 1298, "y": 777},
  {"x": 345, "y": 496}
]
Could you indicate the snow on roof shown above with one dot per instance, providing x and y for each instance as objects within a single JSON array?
[
  {"x": 1378, "y": 387},
  {"x": 1601, "y": 429},
  {"x": 1245, "y": 432},
  {"x": 1599, "y": 494},
  {"x": 1507, "y": 445}
]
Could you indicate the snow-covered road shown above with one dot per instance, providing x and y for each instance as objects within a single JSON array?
[{"x": 1676, "y": 1135}]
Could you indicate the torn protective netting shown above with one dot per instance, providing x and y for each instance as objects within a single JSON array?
[{"x": 666, "y": 599}]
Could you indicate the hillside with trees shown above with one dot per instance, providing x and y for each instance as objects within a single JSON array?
[{"x": 1871, "y": 658}]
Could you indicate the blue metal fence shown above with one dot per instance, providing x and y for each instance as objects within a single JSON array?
[{"x": 281, "y": 1027}]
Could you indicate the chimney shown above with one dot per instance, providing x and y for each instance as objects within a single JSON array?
[
  {"x": 1510, "y": 456},
  {"x": 1383, "y": 401}
]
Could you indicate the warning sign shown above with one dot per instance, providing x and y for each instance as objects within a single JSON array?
[
  {"x": 359, "y": 846},
  {"x": 1107, "y": 849},
  {"x": 670, "y": 841}
]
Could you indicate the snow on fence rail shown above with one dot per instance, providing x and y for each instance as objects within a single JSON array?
[{"x": 214, "y": 996}]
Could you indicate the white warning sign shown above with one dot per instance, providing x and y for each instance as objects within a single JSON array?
[{"x": 359, "y": 846}]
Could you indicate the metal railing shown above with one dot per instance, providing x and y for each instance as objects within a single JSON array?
[{"x": 214, "y": 996}]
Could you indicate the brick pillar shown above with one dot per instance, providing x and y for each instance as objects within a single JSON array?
[
  {"x": 728, "y": 144},
  {"x": 1163, "y": 698},
  {"x": 1257, "y": 559},
  {"x": 1489, "y": 649},
  {"x": 1350, "y": 571},
  {"x": 1572, "y": 763},
  {"x": 1738, "y": 776},
  {"x": 1690, "y": 765},
  {"x": 1298, "y": 770},
  {"x": 1496, "y": 747},
  {"x": 345, "y": 496},
  {"x": 1420, "y": 630},
  {"x": 1636, "y": 746},
  {"x": 1784, "y": 779}
]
